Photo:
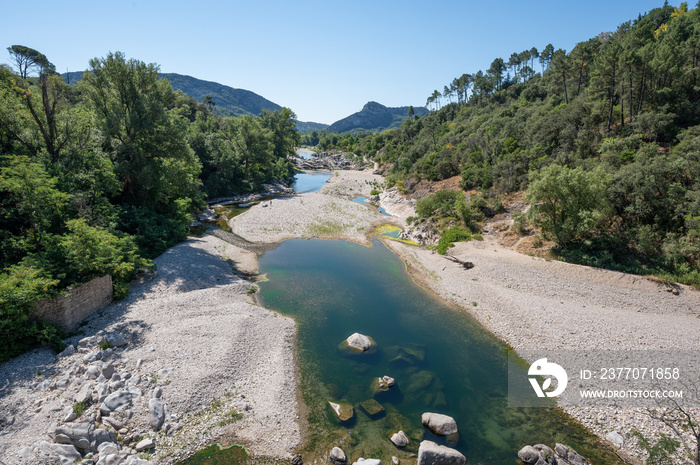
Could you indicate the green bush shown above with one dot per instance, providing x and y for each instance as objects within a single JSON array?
[
  {"x": 374, "y": 192},
  {"x": 441, "y": 204},
  {"x": 21, "y": 287},
  {"x": 449, "y": 237},
  {"x": 79, "y": 408}
]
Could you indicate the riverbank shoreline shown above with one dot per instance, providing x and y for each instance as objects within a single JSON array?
[
  {"x": 223, "y": 367},
  {"x": 534, "y": 304}
]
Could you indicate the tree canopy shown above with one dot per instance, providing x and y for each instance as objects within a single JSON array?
[{"x": 100, "y": 177}]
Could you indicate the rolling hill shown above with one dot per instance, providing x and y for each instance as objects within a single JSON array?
[
  {"x": 374, "y": 116},
  {"x": 229, "y": 101}
]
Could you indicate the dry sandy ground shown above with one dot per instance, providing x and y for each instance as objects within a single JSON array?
[
  {"x": 200, "y": 338},
  {"x": 327, "y": 214}
]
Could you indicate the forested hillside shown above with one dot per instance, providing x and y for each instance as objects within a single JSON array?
[
  {"x": 99, "y": 177},
  {"x": 375, "y": 116},
  {"x": 603, "y": 138}
]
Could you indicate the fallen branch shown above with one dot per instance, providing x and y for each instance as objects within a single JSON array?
[{"x": 465, "y": 265}]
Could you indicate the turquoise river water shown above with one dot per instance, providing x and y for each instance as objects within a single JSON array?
[{"x": 441, "y": 359}]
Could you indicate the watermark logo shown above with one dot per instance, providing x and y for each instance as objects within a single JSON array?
[{"x": 550, "y": 370}]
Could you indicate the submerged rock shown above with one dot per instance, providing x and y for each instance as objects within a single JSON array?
[
  {"x": 566, "y": 453},
  {"x": 344, "y": 412},
  {"x": 419, "y": 382},
  {"x": 372, "y": 408},
  {"x": 406, "y": 356}
]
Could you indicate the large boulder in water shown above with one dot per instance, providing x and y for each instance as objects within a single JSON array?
[
  {"x": 438, "y": 424},
  {"x": 359, "y": 342},
  {"x": 430, "y": 453}
]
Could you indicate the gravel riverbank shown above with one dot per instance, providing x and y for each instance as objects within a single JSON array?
[{"x": 200, "y": 340}]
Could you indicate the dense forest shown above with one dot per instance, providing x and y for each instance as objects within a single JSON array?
[
  {"x": 604, "y": 141},
  {"x": 100, "y": 177}
]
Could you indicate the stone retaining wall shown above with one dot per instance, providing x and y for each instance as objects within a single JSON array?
[{"x": 80, "y": 303}]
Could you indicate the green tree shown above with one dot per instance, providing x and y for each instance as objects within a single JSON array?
[
  {"x": 496, "y": 70},
  {"x": 567, "y": 203},
  {"x": 254, "y": 146},
  {"x": 546, "y": 57},
  {"x": 560, "y": 66},
  {"x": 144, "y": 137},
  {"x": 27, "y": 59}
]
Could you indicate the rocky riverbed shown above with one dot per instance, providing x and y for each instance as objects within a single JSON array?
[{"x": 192, "y": 359}]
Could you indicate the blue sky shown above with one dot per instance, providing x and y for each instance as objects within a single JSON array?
[{"x": 322, "y": 59}]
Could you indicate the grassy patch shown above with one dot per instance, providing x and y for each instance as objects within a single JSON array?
[
  {"x": 326, "y": 228},
  {"x": 79, "y": 408},
  {"x": 229, "y": 418}
]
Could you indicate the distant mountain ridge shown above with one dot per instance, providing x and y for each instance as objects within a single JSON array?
[
  {"x": 375, "y": 116},
  {"x": 229, "y": 101}
]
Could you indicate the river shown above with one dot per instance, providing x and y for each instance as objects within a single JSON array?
[{"x": 441, "y": 359}]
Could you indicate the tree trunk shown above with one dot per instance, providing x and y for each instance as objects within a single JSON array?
[
  {"x": 622, "y": 102},
  {"x": 580, "y": 78},
  {"x": 612, "y": 98},
  {"x": 631, "y": 110}
]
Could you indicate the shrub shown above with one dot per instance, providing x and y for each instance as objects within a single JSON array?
[
  {"x": 21, "y": 287},
  {"x": 441, "y": 204},
  {"x": 374, "y": 192},
  {"x": 520, "y": 223},
  {"x": 79, "y": 408},
  {"x": 449, "y": 237}
]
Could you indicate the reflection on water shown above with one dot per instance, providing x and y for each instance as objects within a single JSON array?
[{"x": 441, "y": 359}]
